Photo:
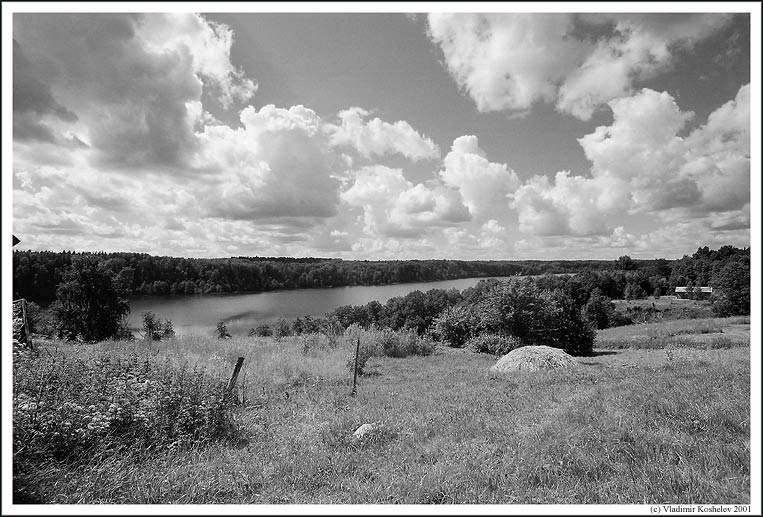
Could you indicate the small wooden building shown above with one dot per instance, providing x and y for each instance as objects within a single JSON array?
[{"x": 694, "y": 293}]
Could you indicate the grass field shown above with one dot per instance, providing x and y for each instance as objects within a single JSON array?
[
  {"x": 663, "y": 308},
  {"x": 628, "y": 426},
  {"x": 694, "y": 333}
]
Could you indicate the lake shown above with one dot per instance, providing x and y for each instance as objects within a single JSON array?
[{"x": 199, "y": 314}]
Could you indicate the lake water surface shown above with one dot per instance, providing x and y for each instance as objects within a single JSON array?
[{"x": 199, "y": 314}]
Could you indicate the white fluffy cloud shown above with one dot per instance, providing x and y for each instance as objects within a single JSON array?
[
  {"x": 377, "y": 137},
  {"x": 122, "y": 83},
  {"x": 113, "y": 140},
  {"x": 208, "y": 43},
  {"x": 483, "y": 185},
  {"x": 393, "y": 206},
  {"x": 278, "y": 164},
  {"x": 115, "y": 147},
  {"x": 511, "y": 61},
  {"x": 569, "y": 204},
  {"x": 641, "y": 165},
  {"x": 507, "y": 61}
]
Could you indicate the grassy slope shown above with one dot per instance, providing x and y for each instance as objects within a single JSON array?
[
  {"x": 694, "y": 333},
  {"x": 629, "y": 426}
]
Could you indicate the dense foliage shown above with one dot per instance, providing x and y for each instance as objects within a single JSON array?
[
  {"x": 36, "y": 274},
  {"x": 107, "y": 406},
  {"x": 89, "y": 303},
  {"x": 522, "y": 310},
  {"x": 156, "y": 329},
  {"x": 83, "y": 281}
]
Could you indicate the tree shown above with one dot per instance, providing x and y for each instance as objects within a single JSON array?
[
  {"x": 155, "y": 329},
  {"x": 535, "y": 316},
  {"x": 731, "y": 288},
  {"x": 625, "y": 263},
  {"x": 454, "y": 325},
  {"x": 598, "y": 309},
  {"x": 88, "y": 304}
]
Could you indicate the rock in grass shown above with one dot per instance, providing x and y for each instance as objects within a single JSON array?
[
  {"x": 533, "y": 358},
  {"x": 365, "y": 431}
]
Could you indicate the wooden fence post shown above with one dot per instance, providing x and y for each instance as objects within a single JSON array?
[
  {"x": 355, "y": 371},
  {"x": 232, "y": 381},
  {"x": 27, "y": 332}
]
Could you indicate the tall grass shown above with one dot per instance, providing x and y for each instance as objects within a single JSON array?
[
  {"x": 676, "y": 432},
  {"x": 673, "y": 430}
]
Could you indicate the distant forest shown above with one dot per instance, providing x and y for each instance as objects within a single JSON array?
[{"x": 37, "y": 274}]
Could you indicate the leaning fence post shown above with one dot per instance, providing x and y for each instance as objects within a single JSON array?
[
  {"x": 355, "y": 370},
  {"x": 232, "y": 381},
  {"x": 27, "y": 333}
]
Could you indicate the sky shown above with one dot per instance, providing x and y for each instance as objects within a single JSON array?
[{"x": 382, "y": 136}]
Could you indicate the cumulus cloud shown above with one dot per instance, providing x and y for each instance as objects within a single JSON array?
[
  {"x": 483, "y": 185},
  {"x": 507, "y": 61},
  {"x": 377, "y": 137},
  {"x": 640, "y": 164},
  {"x": 569, "y": 204},
  {"x": 210, "y": 45},
  {"x": 277, "y": 165},
  {"x": 511, "y": 61},
  {"x": 393, "y": 206},
  {"x": 129, "y": 79},
  {"x": 640, "y": 47}
]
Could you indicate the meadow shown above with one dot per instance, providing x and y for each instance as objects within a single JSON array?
[{"x": 642, "y": 420}]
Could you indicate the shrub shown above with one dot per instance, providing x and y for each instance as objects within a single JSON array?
[
  {"x": 282, "y": 329},
  {"x": 222, "y": 330},
  {"x": 403, "y": 343},
  {"x": 41, "y": 321},
  {"x": 566, "y": 328},
  {"x": 495, "y": 344},
  {"x": 454, "y": 325},
  {"x": 262, "y": 330},
  {"x": 534, "y": 316},
  {"x": 599, "y": 310},
  {"x": 154, "y": 329}
]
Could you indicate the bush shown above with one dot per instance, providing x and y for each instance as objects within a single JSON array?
[
  {"x": 403, "y": 343},
  {"x": 599, "y": 310},
  {"x": 282, "y": 329},
  {"x": 263, "y": 330},
  {"x": 495, "y": 344},
  {"x": 566, "y": 328},
  {"x": 222, "y": 330},
  {"x": 454, "y": 325},
  {"x": 521, "y": 309},
  {"x": 154, "y": 329},
  {"x": 41, "y": 321}
]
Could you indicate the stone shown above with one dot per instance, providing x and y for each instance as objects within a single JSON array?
[{"x": 365, "y": 431}]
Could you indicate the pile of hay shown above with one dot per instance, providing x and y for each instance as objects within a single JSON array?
[{"x": 532, "y": 358}]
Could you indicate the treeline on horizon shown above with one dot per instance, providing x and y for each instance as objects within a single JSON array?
[
  {"x": 587, "y": 295},
  {"x": 37, "y": 274}
]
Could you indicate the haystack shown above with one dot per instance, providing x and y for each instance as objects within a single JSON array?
[{"x": 532, "y": 358}]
